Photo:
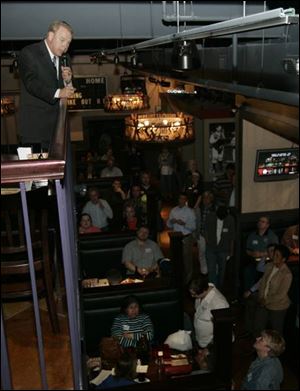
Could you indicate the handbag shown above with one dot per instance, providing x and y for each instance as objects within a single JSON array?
[{"x": 181, "y": 340}]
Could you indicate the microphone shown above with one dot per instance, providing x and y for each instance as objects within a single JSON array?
[{"x": 64, "y": 61}]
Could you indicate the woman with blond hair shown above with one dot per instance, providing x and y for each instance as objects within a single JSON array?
[{"x": 265, "y": 372}]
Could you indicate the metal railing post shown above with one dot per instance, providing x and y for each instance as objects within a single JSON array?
[
  {"x": 66, "y": 222},
  {"x": 5, "y": 367},
  {"x": 33, "y": 287}
]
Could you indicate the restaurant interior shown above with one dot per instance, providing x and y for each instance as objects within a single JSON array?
[{"x": 149, "y": 76}]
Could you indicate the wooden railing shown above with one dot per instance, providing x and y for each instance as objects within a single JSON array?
[
  {"x": 57, "y": 167},
  {"x": 51, "y": 168}
]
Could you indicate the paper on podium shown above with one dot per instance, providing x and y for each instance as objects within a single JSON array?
[
  {"x": 141, "y": 368},
  {"x": 23, "y": 153}
]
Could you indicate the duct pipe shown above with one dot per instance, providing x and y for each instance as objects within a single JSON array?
[{"x": 262, "y": 20}]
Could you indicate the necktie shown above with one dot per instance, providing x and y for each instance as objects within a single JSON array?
[{"x": 54, "y": 59}]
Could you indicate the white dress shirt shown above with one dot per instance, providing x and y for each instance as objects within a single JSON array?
[
  {"x": 185, "y": 214},
  {"x": 99, "y": 215},
  {"x": 203, "y": 324}
]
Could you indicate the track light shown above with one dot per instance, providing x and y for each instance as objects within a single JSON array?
[
  {"x": 185, "y": 55},
  {"x": 116, "y": 59},
  {"x": 133, "y": 59}
]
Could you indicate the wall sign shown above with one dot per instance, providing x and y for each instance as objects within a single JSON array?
[{"x": 89, "y": 94}]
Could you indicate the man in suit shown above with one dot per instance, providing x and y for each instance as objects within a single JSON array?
[{"x": 44, "y": 80}]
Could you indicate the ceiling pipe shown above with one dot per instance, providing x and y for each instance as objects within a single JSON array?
[
  {"x": 262, "y": 20},
  {"x": 175, "y": 17}
]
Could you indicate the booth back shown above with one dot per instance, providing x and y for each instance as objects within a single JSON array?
[
  {"x": 99, "y": 310},
  {"x": 100, "y": 252}
]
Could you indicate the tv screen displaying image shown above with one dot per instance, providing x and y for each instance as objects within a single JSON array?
[{"x": 276, "y": 164}]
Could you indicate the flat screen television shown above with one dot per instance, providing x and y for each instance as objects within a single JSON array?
[{"x": 276, "y": 164}]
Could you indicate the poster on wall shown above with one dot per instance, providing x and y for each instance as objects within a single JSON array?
[
  {"x": 89, "y": 94},
  {"x": 221, "y": 145}
]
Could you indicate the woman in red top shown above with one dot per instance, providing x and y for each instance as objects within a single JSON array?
[{"x": 86, "y": 226}]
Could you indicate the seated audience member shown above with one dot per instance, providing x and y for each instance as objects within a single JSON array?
[
  {"x": 147, "y": 187},
  {"x": 99, "y": 209},
  {"x": 124, "y": 373},
  {"x": 111, "y": 170},
  {"x": 131, "y": 324},
  {"x": 139, "y": 202},
  {"x": 272, "y": 296},
  {"x": 130, "y": 220},
  {"x": 265, "y": 372},
  {"x": 290, "y": 239},
  {"x": 116, "y": 198},
  {"x": 141, "y": 255},
  {"x": 108, "y": 154},
  {"x": 219, "y": 233},
  {"x": 86, "y": 226},
  {"x": 256, "y": 249},
  {"x": 207, "y": 298}
]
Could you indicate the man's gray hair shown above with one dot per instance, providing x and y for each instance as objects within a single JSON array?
[{"x": 56, "y": 24}]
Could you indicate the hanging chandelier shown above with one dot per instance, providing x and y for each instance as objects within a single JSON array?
[
  {"x": 126, "y": 102},
  {"x": 158, "y": 128}
]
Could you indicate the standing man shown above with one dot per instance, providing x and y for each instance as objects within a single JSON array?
[
  {"x": 45, "y": 78},
  {"x": 183, "y": 219},
  {"x": 257, "y": 250},
  {"x": 207, "y": 205},
  {"x": 223, "y": 186},
  {"x": 219, "y": 234}
]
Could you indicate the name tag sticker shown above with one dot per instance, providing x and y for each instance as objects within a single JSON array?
[
  {"x": 295, "y": 237},
  {"x": 148, "y": 250},
  {"x": 125, "y": 327},
  {"x": 225, "y": 229},
  {"x": 255, "y": 242}
]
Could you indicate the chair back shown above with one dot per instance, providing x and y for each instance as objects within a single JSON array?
[{"x": 15, "y": 275}]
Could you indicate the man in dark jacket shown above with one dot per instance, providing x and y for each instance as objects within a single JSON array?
[
  {"x": 45, "y": 79},
  {"x": 219, "y": 234}
]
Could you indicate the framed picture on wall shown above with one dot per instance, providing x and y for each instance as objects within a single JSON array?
[{"x": 220, "y": 138}]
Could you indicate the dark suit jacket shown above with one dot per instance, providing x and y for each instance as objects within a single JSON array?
[
  {"x": 38, "y": 107},
  {"x": 227, "y": 235}
]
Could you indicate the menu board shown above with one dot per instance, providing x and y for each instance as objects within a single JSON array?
[{"x": 89, "y": 94}]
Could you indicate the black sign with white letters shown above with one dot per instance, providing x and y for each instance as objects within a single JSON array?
[{"x": 89, "y": 94}]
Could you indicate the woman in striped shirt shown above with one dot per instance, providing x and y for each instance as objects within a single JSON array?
[{"x": 131, "y": 325}]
